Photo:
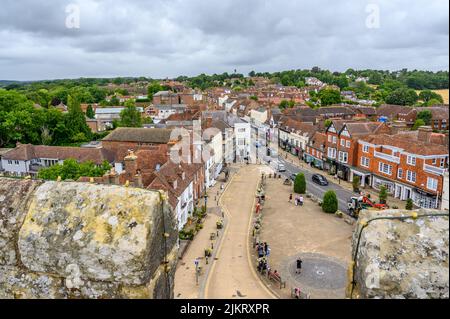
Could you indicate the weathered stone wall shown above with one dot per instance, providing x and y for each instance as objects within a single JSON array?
[
  {"x": 81, "y": 240},
  {"x": 401, "y": 258}
]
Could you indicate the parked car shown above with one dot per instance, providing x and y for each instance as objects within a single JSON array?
[
  {"x": 319, "y": 179},
  {"x": 281, "y": 168},
  {"x": 293, "y": 177}
]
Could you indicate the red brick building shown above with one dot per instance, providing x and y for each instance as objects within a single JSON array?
[
  {"x": 342, "y": 144},
  {"x": 407, "y": 168}
]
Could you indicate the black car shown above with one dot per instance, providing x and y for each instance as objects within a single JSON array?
[
  {"x": 293, "y": 177},
  {"x": 319, "y": 179}
]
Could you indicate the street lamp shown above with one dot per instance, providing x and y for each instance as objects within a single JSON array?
[{"x": 206, "y": 199}]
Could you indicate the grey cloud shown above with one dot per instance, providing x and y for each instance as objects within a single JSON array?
[{"x": 166, "y": 38}]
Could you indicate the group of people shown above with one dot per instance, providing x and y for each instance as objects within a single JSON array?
[
  {"x": 263, "y": 250},
  {"x": 299, "y": 200},
  {"x": 263, "y": 264}
]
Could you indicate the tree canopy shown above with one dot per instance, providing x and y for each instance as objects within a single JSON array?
[{"x": 71, "y": 169}]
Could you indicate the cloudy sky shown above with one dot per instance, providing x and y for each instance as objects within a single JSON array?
[{"x": 167, "y": 38}]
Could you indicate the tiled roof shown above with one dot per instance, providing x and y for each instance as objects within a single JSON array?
[
  {"x": 418, "y": 147},
  {"x": 142, "y": 135},
  {"x": 299, "y": 127},
  {"x": 364, "y": 128},
  {"x": 26, "y": 152}
]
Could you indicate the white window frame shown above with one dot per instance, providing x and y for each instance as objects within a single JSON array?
[
  {"x": 331, "y": 152},
  {"x": 366, "y": 148},
  {"x": 330, "y": 138},
  {"x": 348, "y": 144},
  {"x": 334, "y": 140},
  {"x": 411, "y": 176},
  {"x": 432, "y": 184},
  {"x": 365, "y": 161},
  {"x": 343, "y": 157},
  {"x": 411, "y": 160},
  {"x": 385, "y": 168},
  {"x": 400, "y": 173},
  {"x": 342, "y": 142}
]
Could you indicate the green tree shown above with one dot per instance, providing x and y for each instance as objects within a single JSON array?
[
  {"x": 428, "y": 95},
  {"x": 71, "y": 169},
  {"x": 402, "y": 96},
  {"x": 90, "y": 112},
  {"x": 75, "y": 120},
  {"x": 130, "y": 116},
  {"x": 418, "y": 123},
  {"x": 409, "y": 204},
  {"x": 383, "y": 194},
  {"x": 433, "y": 102},
  {"x": 300, "y": 184},
  {"x": 284, "y": 104},
  {"x": 153, "y": 88},
  {"x": 426, "y": 116},
  {"x": 329, "y": 97},
  {"x": 356, "y": 182},
  {"x": 330, "y": 202},
  {"x": 328, "y": 123}
]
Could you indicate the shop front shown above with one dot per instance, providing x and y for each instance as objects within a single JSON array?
[
  {"x": 364, "y": 176},
  {"x": 377, "y": 182},
  {"x": 424, "y": 199},
  {"x": 313, "y": 161}
]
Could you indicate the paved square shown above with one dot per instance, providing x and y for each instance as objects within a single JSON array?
[{"x": 322, "y": 241}]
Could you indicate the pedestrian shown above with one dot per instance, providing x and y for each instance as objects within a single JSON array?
[
  {"x": 290, "y": 198},
  {"x": 301, "y": 200},
  {"x": 260, "y": 252},
  {"x": 299, "y": 266},
  {"x": 265, "y": 248}
]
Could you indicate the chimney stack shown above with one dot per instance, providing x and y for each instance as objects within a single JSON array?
[
  {"x": 131, "y": 163},
  {"x": 425, "y": 133}
]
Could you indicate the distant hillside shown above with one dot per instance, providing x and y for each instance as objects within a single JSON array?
[{"x": 4, "y": 83}]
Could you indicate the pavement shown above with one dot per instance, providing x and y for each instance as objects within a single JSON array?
[
  {"x": 321, "y": 240},
  {"x": 186, "y": 286},
  {"x": 232, "y": 275}
]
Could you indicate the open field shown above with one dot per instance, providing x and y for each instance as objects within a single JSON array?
[{"x": 443, "y": 93}]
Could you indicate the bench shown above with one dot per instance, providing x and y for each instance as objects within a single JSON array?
[{"x": 276, "y": 278}]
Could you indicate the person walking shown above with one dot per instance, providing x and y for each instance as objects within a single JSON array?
[
  {"x": 290, "y": 198},
  {"x": 299, "y": 266},
  {"x": 301, "y": 200}
]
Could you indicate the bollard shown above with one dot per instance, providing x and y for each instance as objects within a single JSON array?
[{"x": 212, "y": 245}]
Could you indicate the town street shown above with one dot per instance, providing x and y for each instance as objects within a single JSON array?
[
  {"x": 342, "y": 194},
  {"x": 232, "y": 274}
]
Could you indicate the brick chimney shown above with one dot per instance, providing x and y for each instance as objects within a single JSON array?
[
  {"x": 131, "y": 163},
  {"x": 138, "y": 180},
  {"x": 425, "y": 133}
]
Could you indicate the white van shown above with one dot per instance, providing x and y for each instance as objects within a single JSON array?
[{"x": 281, "y": 168}]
